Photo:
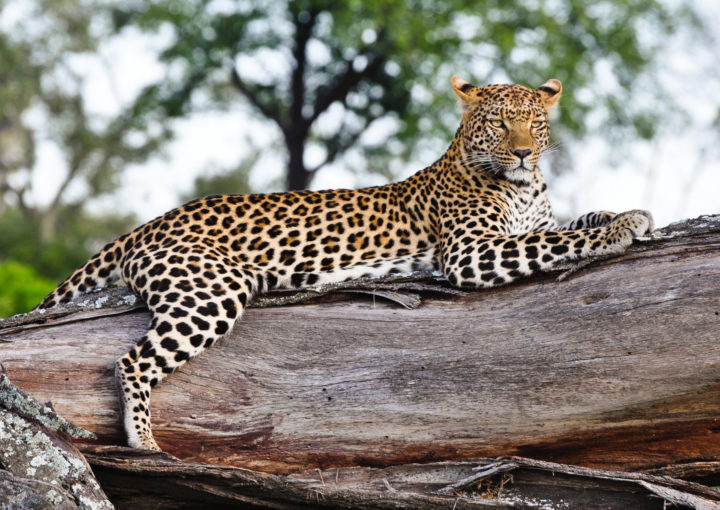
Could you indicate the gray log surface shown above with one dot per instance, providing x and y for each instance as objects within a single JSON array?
[
  {"x": 39, "y": 468},
  {"x": 615, "y": 367}
]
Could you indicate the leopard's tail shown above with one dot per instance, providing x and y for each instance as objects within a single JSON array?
[{"x": 103, "y": 269}]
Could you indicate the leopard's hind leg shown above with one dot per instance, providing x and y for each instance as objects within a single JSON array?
[{"x": 185, "y": 321}]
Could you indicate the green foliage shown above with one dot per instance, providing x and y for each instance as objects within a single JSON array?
[
  {"x": 57, "y": 258},
  {"x": 22, "y": 288}
]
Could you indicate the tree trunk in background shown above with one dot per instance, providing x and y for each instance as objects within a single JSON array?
[
  {"x": 48, "y": 224},
  {"x": 297, "y": 173},
  {"x": 616, "y": 367},
  {"x": 298, "y": 127}
]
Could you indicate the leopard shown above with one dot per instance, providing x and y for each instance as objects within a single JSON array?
[{"x": 480, "y": 215}]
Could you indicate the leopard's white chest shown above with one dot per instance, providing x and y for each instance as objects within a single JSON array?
[{"x": 528, "y": 210}]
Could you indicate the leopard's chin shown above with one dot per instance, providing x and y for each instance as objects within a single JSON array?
[{"x": 520, "y": 175}]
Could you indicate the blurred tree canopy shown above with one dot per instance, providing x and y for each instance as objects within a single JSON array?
[
  {"x": 323, "y": 72},
  {"x": 42, "y": 107}
]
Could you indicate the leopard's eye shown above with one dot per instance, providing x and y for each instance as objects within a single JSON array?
[
  {"x": 496, "y": 123},
  {"x": 536, "y": 123}
]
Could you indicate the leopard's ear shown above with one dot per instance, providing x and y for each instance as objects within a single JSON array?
[
  {"x": 463, "y": 89},
  {"x": 550, "y": 92}
]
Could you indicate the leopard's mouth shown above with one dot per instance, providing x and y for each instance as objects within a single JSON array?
[
  {"x": 520, "y": 174},
  {"x": 522, "y": 167}
]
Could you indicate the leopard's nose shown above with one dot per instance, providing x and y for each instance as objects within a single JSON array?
[{"x": 522, "y": 153}]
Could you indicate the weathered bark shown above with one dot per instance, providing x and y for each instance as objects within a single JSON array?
[
  {"x": 616, "y": 367},
  {"x": 38, "y": 468}
]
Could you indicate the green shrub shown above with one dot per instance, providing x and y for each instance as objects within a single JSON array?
[{"x": 21, "y": 288}]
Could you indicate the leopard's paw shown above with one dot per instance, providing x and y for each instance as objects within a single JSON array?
[
  {"x": 639, "y": 222},
  {"x": 142, "y": 440},
  {"x": 625, "y": 227}
]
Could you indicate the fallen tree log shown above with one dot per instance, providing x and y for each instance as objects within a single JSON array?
[{"x": 616, "y": 367}]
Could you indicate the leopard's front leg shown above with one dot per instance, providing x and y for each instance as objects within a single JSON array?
[{"x": 495, "y": 260}]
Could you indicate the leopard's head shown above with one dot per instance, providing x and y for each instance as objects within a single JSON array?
[{"x": 505, "y": 127}]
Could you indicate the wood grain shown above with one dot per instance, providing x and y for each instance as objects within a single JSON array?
[{"x": 616, "y": 367}]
